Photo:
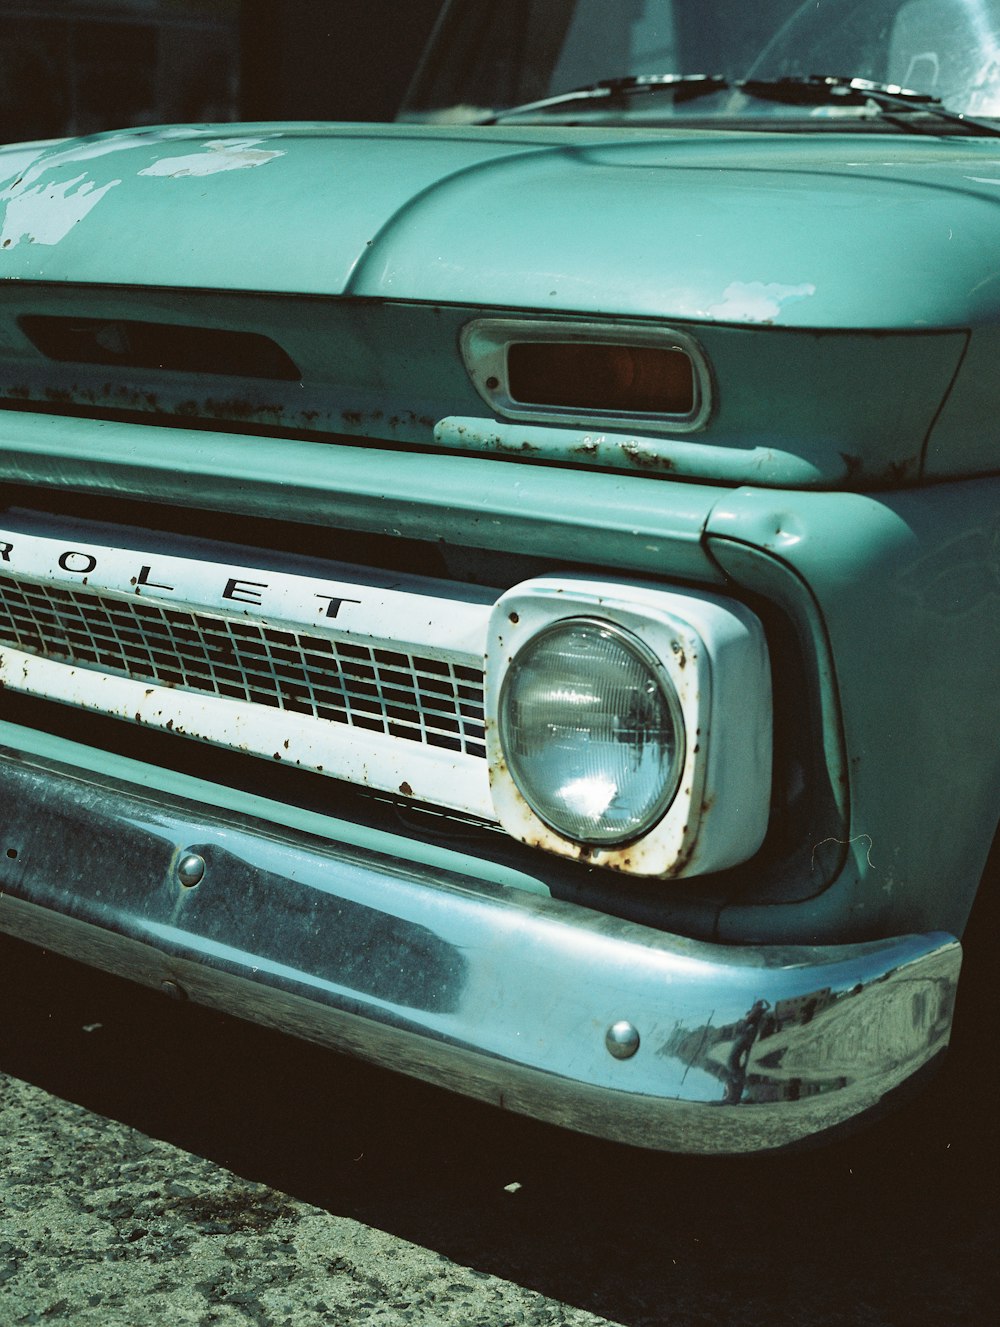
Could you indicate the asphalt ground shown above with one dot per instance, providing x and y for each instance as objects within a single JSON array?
[{"x": 161, "y": 1163}]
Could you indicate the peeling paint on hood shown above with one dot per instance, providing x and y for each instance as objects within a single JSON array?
[
  {"x": 219, "y": 155},
  {"x": 811, "y": 231},
  {"x": 46, "y": 213},
  {"x": 757, "y": 301},
  {"x": 41, "y": 207}
]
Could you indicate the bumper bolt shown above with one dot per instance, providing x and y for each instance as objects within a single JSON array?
[
  {"x": 622, "y": 1040},
  {"x": 190, "y": 869}
]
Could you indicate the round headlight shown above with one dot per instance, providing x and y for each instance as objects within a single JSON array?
[{"x": 591, "y": 730}]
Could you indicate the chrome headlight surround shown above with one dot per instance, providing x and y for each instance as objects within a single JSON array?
[{"x": 708, "y": 656}]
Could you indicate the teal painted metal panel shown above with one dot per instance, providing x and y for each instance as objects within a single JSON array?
[
  {"x": 731, "y": 228},
  {"x": 908, "y": 589},
  {"x": 616, "y": 520}
]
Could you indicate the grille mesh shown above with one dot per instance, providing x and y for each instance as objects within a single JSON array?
[{"x": 435, "y": 702}]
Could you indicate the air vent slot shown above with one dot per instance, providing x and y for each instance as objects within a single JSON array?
[{"x": 176, "y": 348}]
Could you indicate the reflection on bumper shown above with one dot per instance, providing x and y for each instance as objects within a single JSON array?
[{"x": 502, "y": 994}]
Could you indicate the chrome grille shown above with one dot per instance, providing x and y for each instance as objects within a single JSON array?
[{"x": 420, "y": 699}]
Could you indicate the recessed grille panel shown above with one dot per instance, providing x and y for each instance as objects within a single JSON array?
[{"x": 435, "y": 702}]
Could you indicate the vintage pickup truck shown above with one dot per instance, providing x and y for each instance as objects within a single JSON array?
[{"x": 515, "y": 594}]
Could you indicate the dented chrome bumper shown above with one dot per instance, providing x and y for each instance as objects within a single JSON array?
[{"x": 541, "y": 1006}]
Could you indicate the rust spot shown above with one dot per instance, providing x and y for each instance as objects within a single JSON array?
[
  {"x": 524, "y": 448},
  {"x": 514, "y": 618},
  {"x": 645, "y": 460},
  {"x": 138, "y": 717},
  {"x": 236, "y": 408},
  {"x": 684, "y": 858},
  {"x": 277, "y": 755},
  {"x": 351, "y": 416},
  {"x": 169, "y": 723},
  {"x": 405, "y": 789},
  {"x": 285, "y": 744}
]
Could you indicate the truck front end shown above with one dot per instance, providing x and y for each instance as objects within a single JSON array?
[{"x": 511, "y": 594}]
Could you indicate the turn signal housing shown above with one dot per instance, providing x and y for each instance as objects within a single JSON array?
[{"x": 591, "y": 374}]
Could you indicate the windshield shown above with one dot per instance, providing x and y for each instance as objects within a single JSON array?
[{"x": 490, "y": 56}]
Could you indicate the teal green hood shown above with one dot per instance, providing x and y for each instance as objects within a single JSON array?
[
  {"x": 839, "y": 285},
  {"x": 818, "y": 231}
]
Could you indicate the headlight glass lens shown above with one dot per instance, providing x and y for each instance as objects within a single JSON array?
[{"x": 591, "y": 730}]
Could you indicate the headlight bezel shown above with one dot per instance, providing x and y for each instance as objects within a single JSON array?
[{"x": 713, "y": 652}]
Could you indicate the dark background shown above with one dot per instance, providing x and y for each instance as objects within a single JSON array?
[{"x": 82, "y": 66}]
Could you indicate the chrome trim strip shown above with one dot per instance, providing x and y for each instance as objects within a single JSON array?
[
  {"x": 484, "y": 345},
  {"x": 541, "y": 1006}
]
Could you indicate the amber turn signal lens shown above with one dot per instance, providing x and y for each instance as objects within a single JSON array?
[{"x": 647, "y": 380}]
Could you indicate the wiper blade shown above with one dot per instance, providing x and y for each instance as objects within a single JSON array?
[
  {"x": 829, "y": 89},
  {"x": 683, "y": 87},
  {"x": 804, "y": 90}
]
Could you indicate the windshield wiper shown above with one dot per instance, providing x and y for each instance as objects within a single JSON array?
[
  {"x": 805, "y": 90},
  {"x": 829, "y": 89},
  {"x": 684, "y": 87}
]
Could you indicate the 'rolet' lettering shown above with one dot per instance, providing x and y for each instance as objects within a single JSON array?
[
  {"x": 82, "y": 563},
  {"x": 243, "y": 592},
  {"x": 143, "y": 579},
  {"x": 333, "y": 603},
  {"x": 5, "y": 550}
]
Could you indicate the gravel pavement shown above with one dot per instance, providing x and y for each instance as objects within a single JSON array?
[
  {"x": 102, "y": 1225},
  {"x": 293, "y": 1187}
]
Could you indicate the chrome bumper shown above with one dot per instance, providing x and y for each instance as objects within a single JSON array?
[{"x": 494, "y": 991}]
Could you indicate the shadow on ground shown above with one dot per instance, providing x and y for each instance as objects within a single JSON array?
[{"x": 896, "y": 1225}]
